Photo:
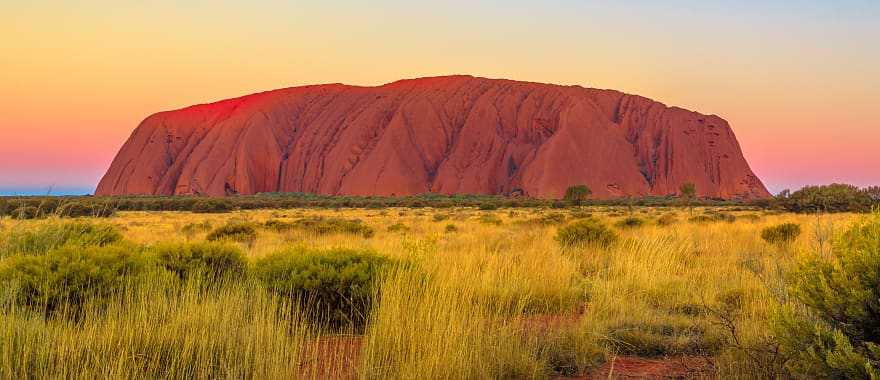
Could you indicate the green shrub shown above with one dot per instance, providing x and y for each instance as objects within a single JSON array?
[
  {"x": 324, "y": 226},
  {"x": 49, "y": 236},
  {"x": 784, "y": 233},
  {"x": 69, "y": 277},
  {"x": 205, "y": 259},
  {"x": 83, "y": 209},
  {"x": 211, "y": 205},
  {"x": 5, "y": 207},
  {"x": 490, "y": 219},
  {"x": 337, "y": 285},
  {"x": 586, "y": 232},
  {"x": 838, "y": 336},
  {"x": 243, "y": 232},
  {"x": 488, "y": 206},
  {"x": 828, "y": 198},
  {"x": 630, "y": 222},
  {"x": 451, "y": 228},
  {"x": 398, "y": 227},
  {"x": 577, "y": 194},
  {"x": 440, "y": 217},
  {"x": 26, "y": 212},
  {"x": 278, "y": 225}
]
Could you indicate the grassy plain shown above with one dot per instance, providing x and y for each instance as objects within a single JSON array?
[{"x": 495, "y": 296}]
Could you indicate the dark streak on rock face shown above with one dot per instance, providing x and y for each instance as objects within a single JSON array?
[{"x": 455, "y": 134}]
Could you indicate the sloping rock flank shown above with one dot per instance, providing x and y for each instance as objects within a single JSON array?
[{"x": 456, "y": 134}]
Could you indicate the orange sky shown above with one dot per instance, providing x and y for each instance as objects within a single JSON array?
[{"x": 799, "y": 84}]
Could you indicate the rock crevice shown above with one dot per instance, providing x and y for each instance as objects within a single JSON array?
[{"x": 455, "y": 134}]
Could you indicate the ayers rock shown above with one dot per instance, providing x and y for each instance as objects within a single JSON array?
[{"x": 453, "y": 134}]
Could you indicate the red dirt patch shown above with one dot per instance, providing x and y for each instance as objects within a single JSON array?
[
  {"x": 633, "y": 367},
  {"x": 332, "y": 357},
  {"x": 546, "y": 323}
]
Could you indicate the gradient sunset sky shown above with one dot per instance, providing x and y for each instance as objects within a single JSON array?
[{"x": 799, "y": 81}]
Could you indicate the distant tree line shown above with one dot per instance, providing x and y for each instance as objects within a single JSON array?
[
  {"x": 78, "y": 206},
  {"x": 827, "y": 198},
  {"x": 835, "y": 197}
]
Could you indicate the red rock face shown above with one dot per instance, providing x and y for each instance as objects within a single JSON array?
[{"x": 456, "y": 134}]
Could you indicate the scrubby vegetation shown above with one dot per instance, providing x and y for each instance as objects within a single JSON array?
[
  {"x": 629, "y": 222},
  {"x": 53, "y": 235},
  {"x": 68, "y": 278},
  {"x": 491, "y": 219},
  {"x": 243, "y": 232},
  {"x": 337, "y": 286},
  {"x": 587, "y": 231},
  {"x": 781, "y": 234},
  {"x": 84, "y": 209},
  {"x": 398, "y": 227},
  {"x": 836, "y": 332},
  {"x": 828, "y": 198},
  {"x": 38, "y": 207},
  {"x": 323, "y": 226},
  {"x": 526, "y": 293},
  {"x": 577, "y": 194},
  {"x": 210, "y": 261}
]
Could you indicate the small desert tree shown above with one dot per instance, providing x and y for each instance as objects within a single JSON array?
[
  {"x": 688, "y": 191},
  {"x": 874, "y": 193},
  {"x": 577, "y": 194},
  {"x": 833, "y": 330}
]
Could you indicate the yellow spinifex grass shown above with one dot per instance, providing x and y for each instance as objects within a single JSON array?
[
  {"x": 159, "y": 331},
  {"x": 495, "y": 297}
]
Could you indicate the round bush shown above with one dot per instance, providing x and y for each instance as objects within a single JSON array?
[
  {"x": 240, "y": 232},
  {"x": 68, "y": 277},
  {"x": 586, "y": 231},
  {"x": 337, "y": 285},
  {"x": 277, "y": 225},
  {"x": 630, "y": 222},
  {"x": 781, "y": 234},
  {"x": 206, "y": 259},
  {"x": 398, "y": 227}
]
